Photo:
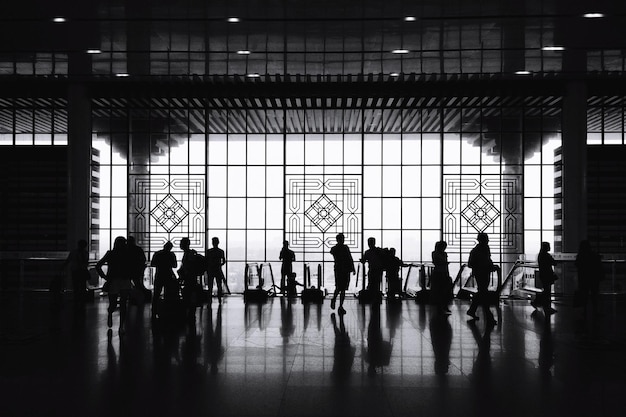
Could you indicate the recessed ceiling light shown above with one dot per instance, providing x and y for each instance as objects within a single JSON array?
[
  {"x": 594, "y": 15},
  {"x": 233, "y": 20},
  {"x": 94, "y": 51},
  {"x": 522, "y": 72},
  {"x": 394, "y": 74},
  {"x": 400, "y": 51},
  {"x": 253, "y": 75},
  {"x": 243, "y": 52},
  {"x": 59, "y": 19},
  {"x": 122, "y": 74},
  {"x": 410, "y": 19},
  {"x": 553, "y": 48}
]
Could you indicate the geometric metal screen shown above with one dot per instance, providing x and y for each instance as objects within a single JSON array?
[
  {"x": 317, "y": 207},
  {"x": 167, "y": 207},
  {"x": 483, "y": 203}
]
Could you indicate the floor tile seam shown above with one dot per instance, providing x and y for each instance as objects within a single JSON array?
[{"x": 286, "y": 383}]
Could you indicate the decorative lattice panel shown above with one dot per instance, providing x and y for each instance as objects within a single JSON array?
[
  {"x": 489, "y": 203},
  {"x": 167, "y": 207},
  {"x": 320, "y": 206}
]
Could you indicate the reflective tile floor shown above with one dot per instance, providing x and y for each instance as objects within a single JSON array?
[{"x": 285, "y": 358}]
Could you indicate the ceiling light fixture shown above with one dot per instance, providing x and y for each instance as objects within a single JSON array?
[
  {"x": 122, "y": 74},
  {"x": 522, "y": 72},
  {"x": 233, "y": 20},
  {"x": 594, "y": 15},
  {"x": 94, "y": 51},
  {"x": 253, "y": 75},
  {"x": 243, "y": 52},
  {"x": 59, "y": 19},
  {"x": 400, "y": 51},
  {"x": 410, "y": 19},
  {"x": 394, "y": 74},
  {"x": 553, "y": 48}
]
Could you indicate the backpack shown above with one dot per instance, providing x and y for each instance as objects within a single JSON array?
[{"x": 197, "y": 263}]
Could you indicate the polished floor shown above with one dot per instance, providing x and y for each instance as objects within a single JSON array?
[{"x": 285, "y": 358}]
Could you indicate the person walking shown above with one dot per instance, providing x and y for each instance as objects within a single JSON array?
[
  {"x": 215, "y": 258},
  {"x": 118, "y": 280},
  {"x": 288, "y": 257},
  {"x": 344, "y": 266},
  {"x": 482, "y": 267}
]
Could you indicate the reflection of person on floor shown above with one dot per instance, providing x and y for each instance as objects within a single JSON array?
[
  {"x": 118, "y": 280},
  {"x": 546, "y": 344},
  {"x": 441, "y": 339},
  {"x": 344, "y": 266},
  {"x": 378, "y": 351},
  {"x": 286, "y": 319},
  {"x": 481, "y": 371},
  {"x": 482, "y": 267},
  {"x": 288, "y": 257},
  {"x": 344, "y": 350},
  {"x": 213, "y": 339}
]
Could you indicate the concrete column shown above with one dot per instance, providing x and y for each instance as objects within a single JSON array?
[
  {"x": 79, "y": 164},
  {"x": 574, "y": 159}
]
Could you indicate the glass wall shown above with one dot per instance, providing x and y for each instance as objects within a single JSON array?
[{"x": 254, "y": 177}]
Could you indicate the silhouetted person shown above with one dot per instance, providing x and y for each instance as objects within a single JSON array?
[
  {"x": 188, "y": 275},
  {"x": 441, "y": 339},
  {"x": 394, "y": 283},
  {"x": 78, "y": 263},
  {"x": 482, "y": 267},
  {"x": 344, "y": 266},
  {"x": 441, "y": 282},
  {"x": 343, "y": 351},
  {"x": 164, "y": 261},
  {"x": 215, "y": 258},
  {"x": 590, "y": 273},
  {"x": 137, "y": 263},
  {"x": 292, "y": 284},
  {"x": 118, "y": 279},
  {"x": 547, "y": 276},
  {"x": 374, "y": 258},
  {"x": 288, "y": 257}
]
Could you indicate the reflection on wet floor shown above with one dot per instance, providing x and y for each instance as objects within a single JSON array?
[{"x": 289, "y": 358}]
